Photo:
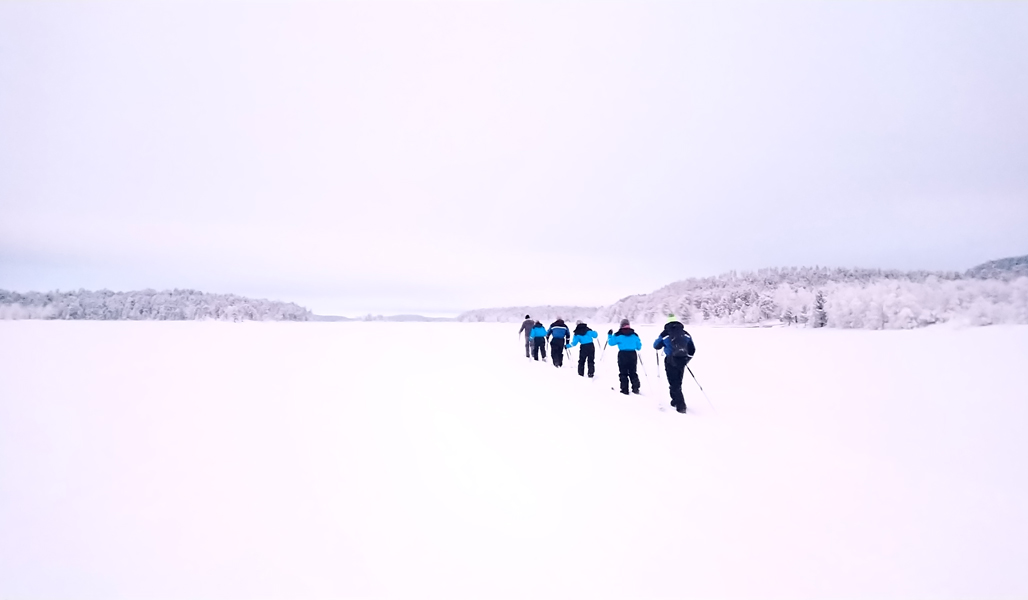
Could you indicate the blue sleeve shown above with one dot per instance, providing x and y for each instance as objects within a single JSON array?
[
  {"x": 591, "y": 335},
  {"x": 610, "y": 340},
  {"x": 574, "y": 341},
  {"x": 658, "y": 344}
]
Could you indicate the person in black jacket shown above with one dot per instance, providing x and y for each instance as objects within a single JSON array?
[
  {"x": 678, "y": 351},
  {"x": 558, "y": 335},
  {"x": 587, "y": 354}
]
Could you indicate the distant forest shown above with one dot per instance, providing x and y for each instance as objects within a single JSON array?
[
  {"x": 992, "y": 293},
  {"x": 995, "y": 292},
  {"x": 145, "y": 305}
]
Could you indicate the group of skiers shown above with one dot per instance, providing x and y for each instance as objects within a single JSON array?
[{"x": 674, "y": 340}]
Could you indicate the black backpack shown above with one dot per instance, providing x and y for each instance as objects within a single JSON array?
[{"x": 681, "y": 343}]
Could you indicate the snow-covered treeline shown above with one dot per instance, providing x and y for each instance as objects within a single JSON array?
[
  {"x": 173, "y": 305},
  {"x": 877, "y": 302},
  {"x": 512, "y": 314},
  {"x": 789, "y": 294},
  {"x": 820, "y": 297},
  {"x": 906, "y": 304}
]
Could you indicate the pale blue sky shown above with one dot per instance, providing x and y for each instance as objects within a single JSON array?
[{"x": 433, "y": 157}]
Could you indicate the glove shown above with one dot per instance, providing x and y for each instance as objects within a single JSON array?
[{"x": 610, "y": 331}]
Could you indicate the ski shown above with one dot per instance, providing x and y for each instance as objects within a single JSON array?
[
  {"x": 663, "y": 405},
  {"x": 630, "y": 394}
]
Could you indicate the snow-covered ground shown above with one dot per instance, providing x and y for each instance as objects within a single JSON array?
[{"x": 303, "y": 460}]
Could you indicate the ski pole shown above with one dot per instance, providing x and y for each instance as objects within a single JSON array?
[
  {"x": 657, "y": 354},
  {"x": 701, "y": 389},
  {"x": 639, "y": 360}
]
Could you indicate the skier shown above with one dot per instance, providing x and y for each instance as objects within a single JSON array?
[
  {"x": 558, "y": 335},
  {"x": 628, "y": 344},
  {"x": 527, "y": 328},
  {"x": 538, "y": 340},
  {"x": 587, "y": 353},
  {"x": 678, "y": 351}
]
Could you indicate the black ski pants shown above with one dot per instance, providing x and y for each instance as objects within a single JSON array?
[
  {"x": 557, "y": 352},
  {"x": 628, "y": 362},
  {"x": 675, "y": 369},
  {"x": 528, "y": 345},
  {"x": 587, "y": 354},
  {"x": 538, "y": 345}
]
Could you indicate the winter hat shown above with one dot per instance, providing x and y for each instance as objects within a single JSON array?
[
  {"x": 670, "y": 317},
  {"x": 624, "y": 322},
  {"x": 579, "y": 323},
  {"x": 527, "y": 317}
]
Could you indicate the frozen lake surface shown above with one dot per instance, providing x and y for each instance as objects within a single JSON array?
[{"x": 302, "y": 460}]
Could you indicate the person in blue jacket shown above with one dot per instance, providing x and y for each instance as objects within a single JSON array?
[
  {"x": 678, "y": 351},
  {"x": 587, "y": 353},
  {"x": 538, "y": 340},
  {"x": 558, "y": 335},
  {"x": 629, "y": 345}
]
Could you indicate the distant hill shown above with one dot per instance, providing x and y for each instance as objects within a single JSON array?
[
  {"x": 991, "y": 293},
  {"x": 1004, "y": 268}
]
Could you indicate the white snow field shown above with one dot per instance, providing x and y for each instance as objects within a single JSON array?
[{"x": 432, "y": 460}]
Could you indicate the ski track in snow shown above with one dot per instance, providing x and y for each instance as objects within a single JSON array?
[{"x": 293, "y": 460}]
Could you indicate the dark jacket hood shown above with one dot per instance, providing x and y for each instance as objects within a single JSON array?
[
  {"x": 625, "y": 331},
  {"x": 581, "y": 328}
]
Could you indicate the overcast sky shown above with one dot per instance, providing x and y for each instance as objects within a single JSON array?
[{"x": 439, "y": 156}]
